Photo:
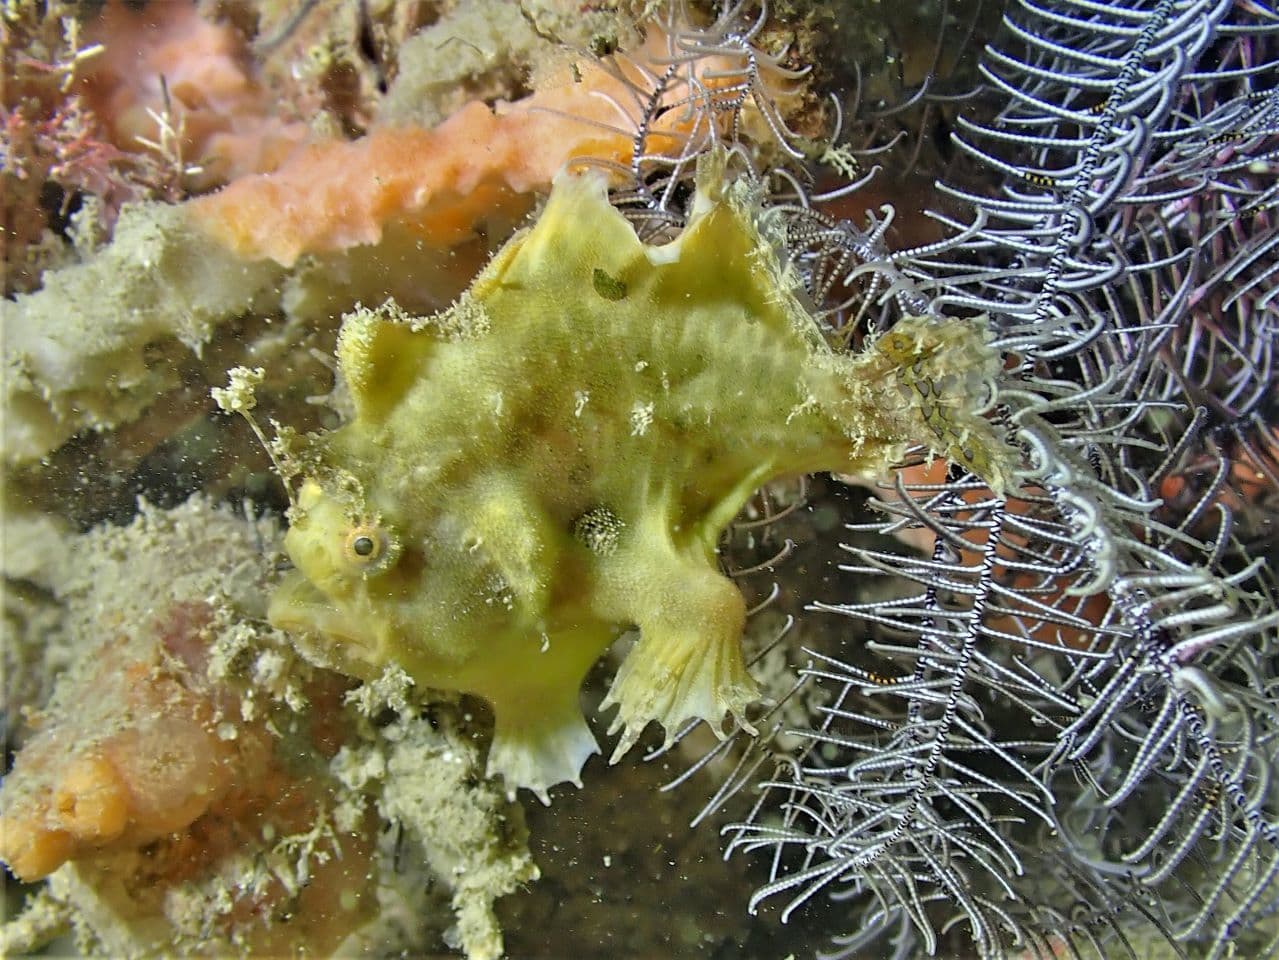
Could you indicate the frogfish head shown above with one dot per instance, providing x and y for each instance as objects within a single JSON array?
[{"x": 349, "y": 576}]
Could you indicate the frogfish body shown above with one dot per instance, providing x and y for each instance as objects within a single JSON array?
[{"x": 551, "y": 462}]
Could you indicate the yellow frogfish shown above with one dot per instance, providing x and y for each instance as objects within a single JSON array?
[{"x": 550, "y": 463}]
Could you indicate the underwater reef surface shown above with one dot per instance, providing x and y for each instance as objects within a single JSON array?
[{"x": 392, "y": 390}]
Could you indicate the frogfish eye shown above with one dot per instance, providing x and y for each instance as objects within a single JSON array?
[{"x": 370, "y": 548}]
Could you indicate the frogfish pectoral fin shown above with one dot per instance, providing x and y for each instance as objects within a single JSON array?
[
  {"x": 539, "y": 743},
  {"x": 687, "y": 664}
]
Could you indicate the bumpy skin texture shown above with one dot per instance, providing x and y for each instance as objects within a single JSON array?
[{"x": 552, "y": 461}]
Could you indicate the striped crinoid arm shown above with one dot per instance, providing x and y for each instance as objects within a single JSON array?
[
  {"x": 692, "y": 88},
  {"x": 1062, "y": 729},
  {"x": 1220, "y": 178},
  {"x": 1002, "y": 719},
  {"x": 907, "y": 797},
  {"x": 1184, "y": 722},
  {"x": 924, "y": 789}
]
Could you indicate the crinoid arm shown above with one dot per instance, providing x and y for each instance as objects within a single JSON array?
[{"x": 1057, "y": 738}]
